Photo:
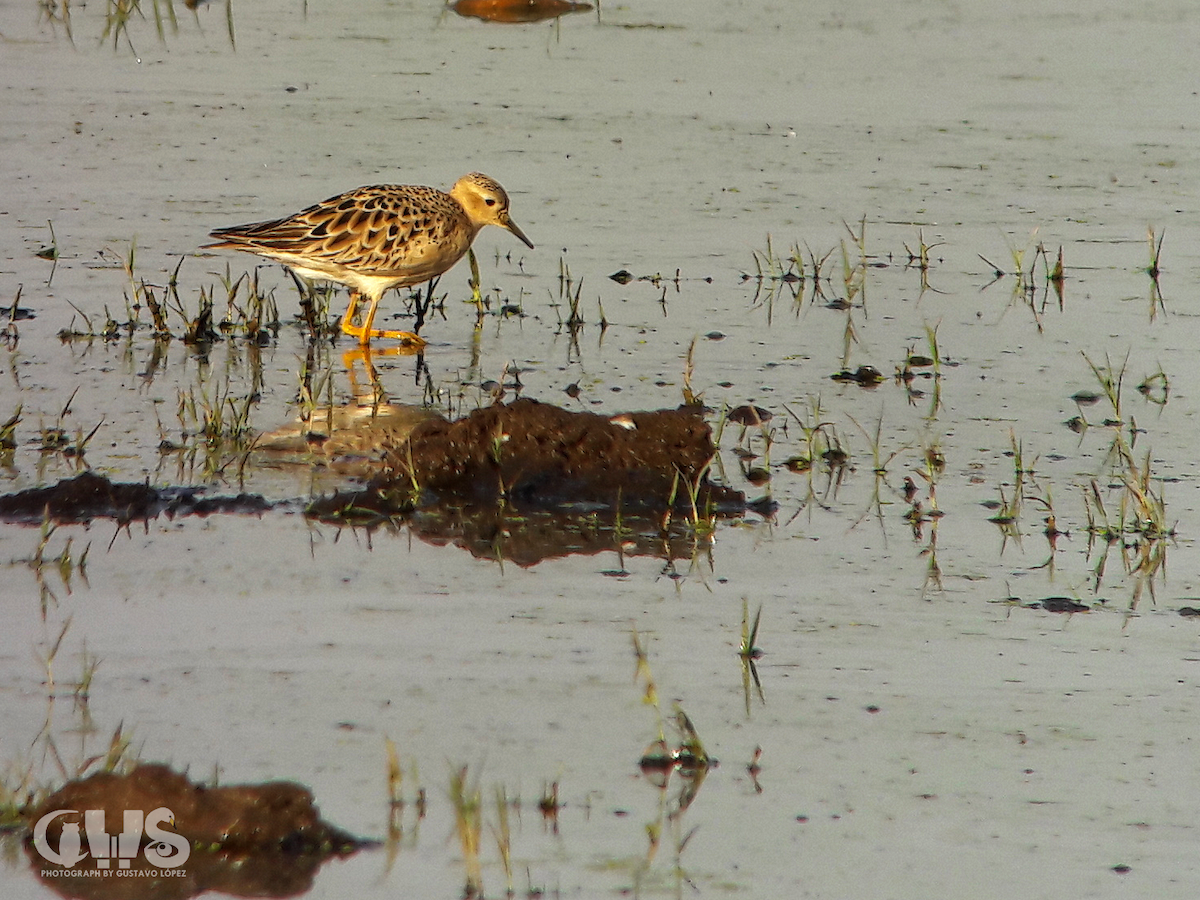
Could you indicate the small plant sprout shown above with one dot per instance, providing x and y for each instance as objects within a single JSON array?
[
  {"x": 933, "y": 568},
  {"x": 88, "y": 666},
  {"x": 1057, "y": 274},
  {"x": 1155, "y": 242},
  {"x": 70, "y": 333},
  {"x": 569, "y": 291},
  {"x": 1024, "y": 285},
  {"x": 466, "y": 799},
  {"x": 1097, "y": 515},
  {"x": 1153, "y": 270},
  {"x": 548, "y": 803},
  {"x": 773, "y": 273},
  {"x": 770, "y": 267},
  {"x": 754, "y": 768},
  {"x": 880, "y": 462},
  {"x": 54, "y": 437},
  {"x": 216, "y": 426},
  {"x": 643, "y": 675},
  {"x": 749, "y": 650},
  {"x": 849, "y": 338},
  {"x": 496, "y": 451},
  {"x": 1021, "y": 466},
  {"x": 1145, "y": 556},
  {"x": 920, "y": 257},
  {"x": 118, "y": 750},
  {"x": 854, "y": 272},
  {"x": 931, "y": 339},
  {"x": 657, "y": 754},
  {"x": 1155, "y": 388},
  {"x": 691, "y": 753},
  {"x": 814, "y": 434},
  {"x": 8, "y": 431},
  {"x": 1051, "y": 530},
  {"x": 397, "y": 804},
  {"x": 932, "y": 465},
  {"x": 49, "y": 252},
  {"x": 48, "y": 660},
  {"x": 703, "y": 525},
  {"x": 1150, "y": 511},
  {"x": 395, "y": 774},
  {"x": 690, "y": 397},
  {"x": 1018, "y": 258},
  {"x": 58, "y": 12},
  {"x": 817, "y": 265},
  {"x": 1007, "y": 513},
  {"x": 314, "y": 305},
  {"x": 65, "y": 563},
  {"x": 1110, "y": 381},
  {"x": 1099, "y": 527},
  {"x": 502, "y": 832},
  {"x": 749, "y": 653},
  {"x": 128, "y": 266},
  {"x": 10, "y": 334}
]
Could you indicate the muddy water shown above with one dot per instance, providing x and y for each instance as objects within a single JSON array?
[{"x": 918, "y": 738}]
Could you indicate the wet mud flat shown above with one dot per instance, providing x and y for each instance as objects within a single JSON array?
[
  {"x": 972, "y": 664},
  {"x": 88, "y": 496}
]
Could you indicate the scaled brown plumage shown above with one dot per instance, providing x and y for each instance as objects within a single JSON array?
[{"x": 379, "y": 237}]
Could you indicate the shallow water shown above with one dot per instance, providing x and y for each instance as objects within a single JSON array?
[{"x": 918, "y": 738}]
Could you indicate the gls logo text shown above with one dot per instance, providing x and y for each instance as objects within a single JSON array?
[{"x": 166, "y": 849}]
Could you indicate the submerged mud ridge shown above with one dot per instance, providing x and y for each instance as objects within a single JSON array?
[
  {"x": 260, "y": 840},
  {"x": 90, "y": 496}
]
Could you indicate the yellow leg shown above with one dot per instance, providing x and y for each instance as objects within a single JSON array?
[{"x": 365, "y": 333}]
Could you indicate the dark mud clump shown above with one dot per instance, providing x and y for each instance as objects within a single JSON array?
[
  {"x": 537, "y": 455},
  {"x": 89, "y": 496},
  {"x": 528, "y": 481},
  {"x": 247, "y": 840}
]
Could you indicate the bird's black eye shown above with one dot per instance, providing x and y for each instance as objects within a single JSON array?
[{"x": 490, "y": 201}]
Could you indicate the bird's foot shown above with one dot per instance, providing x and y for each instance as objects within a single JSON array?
[{"x": 365, "y": 336}]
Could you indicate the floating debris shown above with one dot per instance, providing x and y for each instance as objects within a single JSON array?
[
  {"x": 16, "y": 313},
  {"x": 867, "y": 376},
  {"x": 1061, "y": 605},
  {"x": 749, "y": 416},
  {"x": 517, "y": 11}
]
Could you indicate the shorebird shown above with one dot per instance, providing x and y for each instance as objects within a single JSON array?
[{"x": 376, "y": 238}]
